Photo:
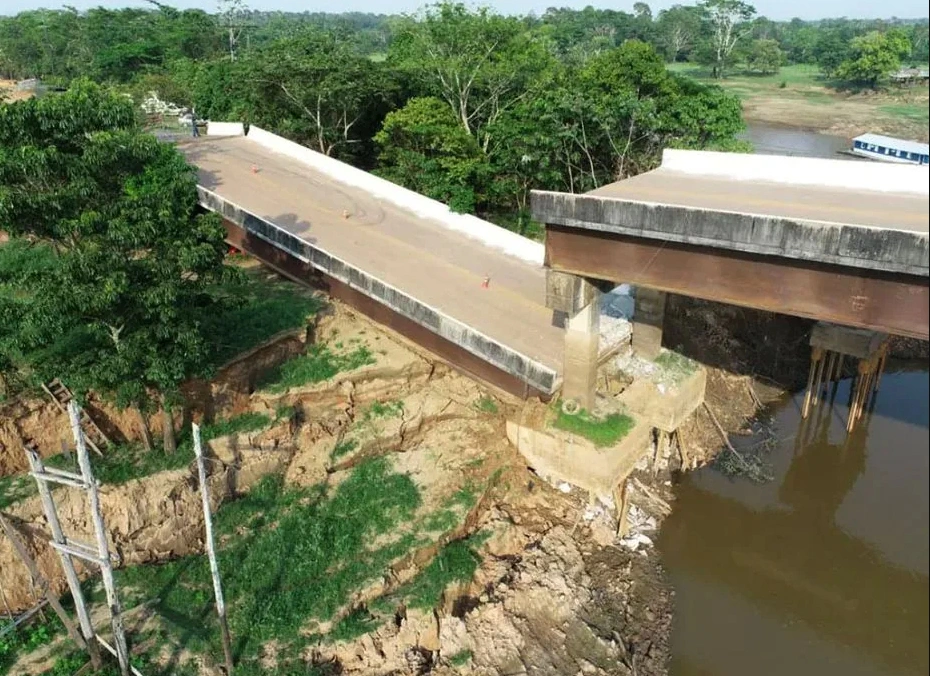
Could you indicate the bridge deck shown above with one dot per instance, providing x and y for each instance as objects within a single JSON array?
[
  {"x": 435, "y": 265},
  {"x": 810, "y": 203}
]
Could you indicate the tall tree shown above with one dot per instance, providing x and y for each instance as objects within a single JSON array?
[
  {"x": 764, "y": 56},
  {"x": 315, "y": 88},
  {"x": 120, "y": 312},
  {"x": 873, "y": 57},
  {"x": 478, "y": 62},
  {"x": 424, "y": 147},
  {"x": 678, "y": 27},
  {"x": 728, "y": 21}
]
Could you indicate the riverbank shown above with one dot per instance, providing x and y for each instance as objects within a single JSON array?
[{"x": 798, "y": 97}]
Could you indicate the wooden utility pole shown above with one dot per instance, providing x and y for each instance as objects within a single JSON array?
[{"x": 211, "y": 550}]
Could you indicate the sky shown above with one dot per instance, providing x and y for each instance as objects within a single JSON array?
[{"x": 774, "y": 9}]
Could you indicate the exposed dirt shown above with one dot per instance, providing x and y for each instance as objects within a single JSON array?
[
  {"x": 556, "y": 593},
  {"x": 846, "y": 115},
  {"x": 39, "y": 422}
]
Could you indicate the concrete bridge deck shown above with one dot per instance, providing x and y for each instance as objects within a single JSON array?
[
  {"x": 429, "y": 275},
  {"x": 835, "y": 240}
]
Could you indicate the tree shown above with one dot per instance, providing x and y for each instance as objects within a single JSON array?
[
  {"x": 425, "y": 148},
  {"x": 478, "y": 62},
  {"x": 831, "y": 50},
  {"x": 120, "y": 311},
  {"x": 232, "y": 16},
  {"x": 764, "y": 57},
  {"x": 678, "y": 28},
  {"x": 315, "y": 88},
  {"x": 728, "y": 25},
  {"x": 873, "y": 57}
]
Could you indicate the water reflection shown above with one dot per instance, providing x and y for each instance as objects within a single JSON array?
[{"x": 825, "y": 569}]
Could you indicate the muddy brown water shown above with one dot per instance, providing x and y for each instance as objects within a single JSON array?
[
  {"x": 770, "y": 139},
  {"x": 823, "y": 570}
]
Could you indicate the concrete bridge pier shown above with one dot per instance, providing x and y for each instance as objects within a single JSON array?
[
  {"x": 577, "y": 299},
  {"x": 648, "y": 322}
]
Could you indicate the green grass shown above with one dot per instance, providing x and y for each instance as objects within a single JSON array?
[
  {"x": 318, "y": 364},
  {"x": 383, "y": 410},
  {"x": 675, "y": 366},
  {"x": 344, "y": 447},
  {"x": 909, "y": 111},
  {"x": 263, "y": 306},
  {"x": 298, "y": 555},
  {"x": 460, "y": 659},
  {"x": 456, "y": 562},
  {"x": 35, "y": 633},
  {"x": 602, "y": 432},
  {"x": 487, "y": 405},
  {"x": 14, "y": 488},
  {"x": 737, "y": 78}
]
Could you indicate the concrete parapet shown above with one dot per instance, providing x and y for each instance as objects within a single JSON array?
[{"x": 559, "y": 456}]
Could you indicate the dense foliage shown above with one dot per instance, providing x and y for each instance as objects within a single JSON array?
[{"x": 129, "y": 263}]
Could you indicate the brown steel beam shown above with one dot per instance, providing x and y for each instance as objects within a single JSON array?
[
  {"x": 444, "y": 349},
  {"x": 893, "y": 303}
]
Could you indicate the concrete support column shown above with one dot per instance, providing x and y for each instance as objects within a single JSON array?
[
  {"x": 648, "y": 321},
  {"x": 582, "y": 340}
]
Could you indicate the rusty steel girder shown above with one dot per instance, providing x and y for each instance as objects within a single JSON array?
[{"x": 893, "y": 303}]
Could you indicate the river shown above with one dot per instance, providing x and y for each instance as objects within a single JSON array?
[
  {"x": 773, "y": 140},
  {"x": 823, "y": 570}
]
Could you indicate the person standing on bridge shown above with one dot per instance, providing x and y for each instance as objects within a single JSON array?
[{"x": 194, "y": 131}]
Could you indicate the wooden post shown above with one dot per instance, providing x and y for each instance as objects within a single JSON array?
[
  {"x": 815, "y": 356},
  {"x": 39, "y": 579},
  {"x": 67, "y": 563},
  {"x": 211, "y": 550},
  {"x": 622, "y": 498},
  {"x": 818, "y": 378},
  {"x": 837, "y": 375},
  {"x": 828, "y": 374},
  {"x": 103, "y": 550}
]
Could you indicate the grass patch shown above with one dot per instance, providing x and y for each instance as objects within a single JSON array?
[
  {"x": 456, "y": 562},
  {"x": 14, "y": 488},
  {"x": 911, "y": 112},
  {"x": 262, "y": 306},
  {"x": 460, "y": 659},
  {"x": 383, "y": 410},
  {"x": 24, "y": 639},
  {"x": 318, "y": 364},
  {"x": 343, "y": 447},
  {"x": 487, "y": 405},
  {"x": 601, "y": 431},
  {"x": 353, "y": 625},
  {"x": 298, "y": 554},
  {"x": 675, "y": 366}
]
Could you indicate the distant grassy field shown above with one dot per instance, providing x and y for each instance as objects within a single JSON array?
[{"x": 799, "y": 96}]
